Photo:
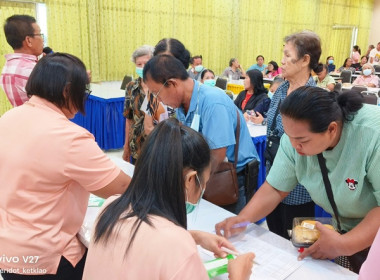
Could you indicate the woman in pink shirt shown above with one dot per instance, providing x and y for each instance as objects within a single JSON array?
[
  {"x": 48, "y": 167},
  {"x": 368, "y": 77},
  {"x": 370, "y": 269},
  {"x": 142, "y": 233}
]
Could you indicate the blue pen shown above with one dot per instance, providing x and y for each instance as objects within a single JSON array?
[{"x": 240, "y": 225}]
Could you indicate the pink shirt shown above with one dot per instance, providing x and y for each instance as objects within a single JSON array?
[
  {"x": 161, "y": 251},
  {"x": 365, "y": 80},
  {"x": 48, "y": 166},
  {"x": 370, "y": 269},
  {"x": 14, "y": 76}
]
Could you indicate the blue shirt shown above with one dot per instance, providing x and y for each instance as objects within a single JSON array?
[
  {"x": 255, "y": 66},
  {"x": 299, "y": 194},
  {"x": 218, "y": 122}
]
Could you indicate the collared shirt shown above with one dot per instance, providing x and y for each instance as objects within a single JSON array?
[
  {"x": 48, "y": 167},
  {"x": 366, "y": 80},
  {"x": 134, "y": 97},
  {"x": 326, "y": 81},
  {"x": 235, "y": 75},
  {"x": 299, "y": 195},
  {"x": 14, "y": 76},
  {"x": 218, "y": 121},
  {"x": 257, "y": 67},
  {"x": 353, "y": 169}
]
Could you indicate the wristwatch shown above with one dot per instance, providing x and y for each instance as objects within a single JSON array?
[{"x": 264, "y": 122}]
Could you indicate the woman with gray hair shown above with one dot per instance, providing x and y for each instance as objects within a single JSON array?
[
  {"x": 135, "y": 94},
  {"x": 368, "y": 77}
]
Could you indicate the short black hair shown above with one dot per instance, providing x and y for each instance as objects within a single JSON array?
[
  {"x": 275, "y": 65},
  {"x": 16, "y": 28},
  {"x": 47, "y": 50},
  {"x": 320, "y": 68},
  {"x": 57, "y": 75},
  {"x": 195, "y": 57},
  {"x": 163, "y": 67},
  {"x": 174, "y": 47},
  {"x": 257, "y": 57},
  {"x": 205, "y": 71}
]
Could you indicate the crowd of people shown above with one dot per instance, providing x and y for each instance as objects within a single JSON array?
[{"x": 176, "y": 143}]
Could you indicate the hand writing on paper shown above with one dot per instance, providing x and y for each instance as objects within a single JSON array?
[
  {"x": 229, "y": 228},
  {"x": 327, "y": 246},
  {"x": 241, "y": 267},
  {"x": 212, "y": 242}
]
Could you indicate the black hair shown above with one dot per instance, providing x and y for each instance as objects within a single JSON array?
[
  {"x": 327, "y": 59},
  {"x": 232, "y": 60},
  {"x": 257, "y": 57},
  {"x": 275, "y": 65},
  {"x": 320, "y": 68},
  {"x": 345, "y": 61},
  {"x": 164, "y": 67},
  {"x": 356, "y": 48},
  {"x": 174, "y": 47},
  {"x": 157, "y": 186},
  {"x": 320, "y": 107},
  {"x": 205, "y": 71},
  {"x": 195, "y": 57},
  {"x": 60, "y": 78},
  {"x": 257, "y": 82},
  {"x": 47, "y": 50},
  {"x": 16, "y": 28},
  {"x": 306, "y": 43}
]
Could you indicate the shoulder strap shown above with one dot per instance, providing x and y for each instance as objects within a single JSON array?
[
  {"x": 237, "y": 137},
  {"x": 275, "y": 117},
  {"x": 322, "y": 165}
]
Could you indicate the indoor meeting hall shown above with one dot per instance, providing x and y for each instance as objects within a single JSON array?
[{"x": 214, "y": 139}]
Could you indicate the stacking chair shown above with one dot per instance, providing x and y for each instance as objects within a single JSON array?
[
  {"x": 338, "y": 88},
  {"x": 369, "y": 97},
  {"x": 377, "y": 68},
  {"x": 221, "y": 83},
  {"x": 125, "y": 82},
  {"x": 359, "y": 88},
  {"x": 346, "y": 76}
]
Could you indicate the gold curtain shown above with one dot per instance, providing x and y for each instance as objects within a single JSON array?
[{"x": 8, "y": 9}]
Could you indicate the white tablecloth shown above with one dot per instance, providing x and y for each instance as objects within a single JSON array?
[{"x": 256, "y": 130}]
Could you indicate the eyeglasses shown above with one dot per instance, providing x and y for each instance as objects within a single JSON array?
[
  {"x": 38, "y": 34},
  {"x": 158, "y": 92}
]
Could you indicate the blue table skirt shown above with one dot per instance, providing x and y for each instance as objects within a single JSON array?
[
  {"x": 104, "y": 119},
  {"x": 260, "y": 144}
]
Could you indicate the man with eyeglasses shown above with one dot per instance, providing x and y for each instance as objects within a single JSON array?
[{"x": 24, "y": 35}]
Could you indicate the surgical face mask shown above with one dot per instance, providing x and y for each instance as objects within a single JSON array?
[
  {"x": 198, "y": 68},
  {"x": 191, "y": 206},
  {"x": 331, "y": 61},
  {"x": 210, "y": 82},
  {"x": 270, "y": 94},
  {"x": 367, "y": 72},
  {"x": 139, "y": 71}
]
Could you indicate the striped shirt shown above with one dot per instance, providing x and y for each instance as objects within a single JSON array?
[
  {"x": 14, "y": 76},
  {"x": 299, "y": 194}
]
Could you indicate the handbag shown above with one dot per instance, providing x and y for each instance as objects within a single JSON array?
[
  {"x": 357, "y": 259},
  {"x": 222, "y": 187},
  {"x": 273, "y": 139}
]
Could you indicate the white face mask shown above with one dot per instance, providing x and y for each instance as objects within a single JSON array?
[
  {"x": 270, "y": 94},
  {"x": 367, "y": 72},
  {"x": 198, "y": 68}
]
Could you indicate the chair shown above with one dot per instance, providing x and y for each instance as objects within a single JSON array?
[
  {"x": 359, "y": 88},
  {"x": 125, "y": 82},
  {"x": 369, "y": 97},
  {"x": 221, "y": 83},
  {"x": 346, "y": 76},
  {"x": 377, "y": 68},
  {"x": 338, "y": 88}
]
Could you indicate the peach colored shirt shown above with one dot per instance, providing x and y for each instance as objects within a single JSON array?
[
  {"x": 48, "y": 166},
  {"x": 161, "y": 251},
  {"x": 370, "y": 269}
]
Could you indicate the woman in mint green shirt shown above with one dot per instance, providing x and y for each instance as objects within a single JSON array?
[{"x": 347, "y": 133}]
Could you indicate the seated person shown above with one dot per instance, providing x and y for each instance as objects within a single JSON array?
[
  {"x": 330, "y": 63},
  {"x": 259, "y": 65},
  {"x": 274, "y": 86},
  {"x": 235, "y": 71},
  {"x": 368, "y": 77},
  {"x": 323, "y": 79},
  {"x": 347, "y": 65},
  {"x": 253, "y": 95},
  {"x": 272, "y": 70},
  {"x": 208, "y": 77},
  {"x": 196, "y": 67},
  {"x": 363, "y": 60},
  {"x": 142, "y": 233}
]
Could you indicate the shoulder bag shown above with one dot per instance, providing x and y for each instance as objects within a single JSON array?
[{"x": 273, "y": 139}]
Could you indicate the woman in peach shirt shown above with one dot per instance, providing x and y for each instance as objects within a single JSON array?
[
  {"x": 48, "y": 167},
  {"x": 142, "y": 234}
]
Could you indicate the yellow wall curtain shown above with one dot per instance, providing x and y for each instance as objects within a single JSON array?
[{"x": 8, "y": 9}]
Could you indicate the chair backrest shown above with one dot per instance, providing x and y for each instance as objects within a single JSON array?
[
  {"x": 125, "y": 82},
  {"x": 221, "y": 83},
  {"x": 338, "y": 87},
  {"x": 359, "y": 88},
  {"x": 377, "y": 68},
  {"x": 346, "y": 76},
  {"x": 369, "y": 98}
]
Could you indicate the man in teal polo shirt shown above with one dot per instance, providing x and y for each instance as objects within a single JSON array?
[{"x": 206, "y": 109}]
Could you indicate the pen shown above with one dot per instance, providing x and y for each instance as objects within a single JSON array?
[
  {"x": 240, "y": 225},
  {"x": 235, "y": 253}
]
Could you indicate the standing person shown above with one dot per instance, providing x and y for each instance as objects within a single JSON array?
[
  {"x": 234, "y": 71},
  {"x": 167, "y": 184},
  {"x": 134, "y": 96},
  {"x": 24, "y": 36},
  {"x": 326, "y": 129},
  {"x": 330, "y": 63},
  {"x": 259, "y": 64},
  {"x": 203, "y": 108},
  {"x": 47, "y": 179},
  {"x": 196, "y": 67},
  {"x": 301, "y": 55},
  {"x": 374, "y": 55},
  {"x": 370, "y": 48},
  {"x": 355, "y": 56}
]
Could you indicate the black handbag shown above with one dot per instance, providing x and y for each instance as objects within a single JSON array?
[
  {"x": 357, "y": 259},
  {"x": 273, "y": 139}
]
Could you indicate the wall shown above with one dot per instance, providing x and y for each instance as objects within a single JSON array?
[{"x": 374, "y": 34}]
